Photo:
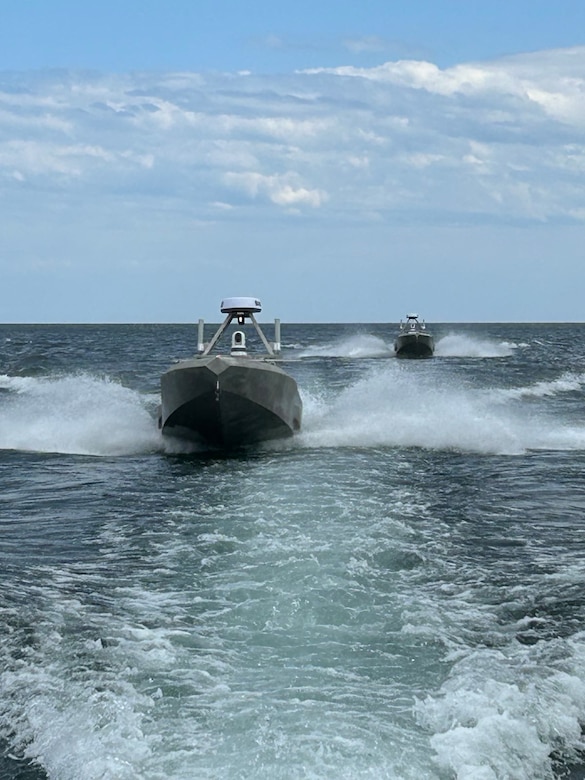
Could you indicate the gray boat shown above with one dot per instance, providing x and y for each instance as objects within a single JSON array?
[
  {"x": 229, "y": 401},
  {"x": 414, "y": 341}
]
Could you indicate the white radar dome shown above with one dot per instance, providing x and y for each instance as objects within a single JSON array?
[{"x": 234, "y": 305}]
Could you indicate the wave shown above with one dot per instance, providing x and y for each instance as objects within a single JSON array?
[
  {"x": 511, "y": 710},
  {"x": 88, "y": 415},
  {"x": 369, "y": 346},
  {"x": 567, "y": 383},
  {"x": 385, "y": 408},
  {"x": 79, "y": 414},
  {"x": 461, "y": 345},
  {"x": 359, "y": 346}
]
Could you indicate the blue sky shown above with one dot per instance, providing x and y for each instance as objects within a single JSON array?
[{"x": 343, "y": 161}]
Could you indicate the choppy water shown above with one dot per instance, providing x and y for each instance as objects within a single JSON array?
[{"x": 398, "y": 592}]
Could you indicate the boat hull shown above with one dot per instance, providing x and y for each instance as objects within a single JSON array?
[
  {"x": 414, "y": 345},
  {"x": 229, "y": 402}
]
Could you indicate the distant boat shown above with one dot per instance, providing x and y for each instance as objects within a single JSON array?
[
  {"x": 229, "y": 401},
  {"x": 414, "y": 341}
]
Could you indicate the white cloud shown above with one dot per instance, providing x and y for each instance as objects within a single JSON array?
[
  {"x": 472, "y": 172},
  {"x": 368, "y": 43},
  {"x": 422, "y": 160},
  {"x": 404, "y": 140},
  {"x": 274, "y": 42},
  {"x": 286, "y": 195},
  {"x": 558, "y": 90},
  {"x": 277, "y": 188},
  {"x": 42, "y": 158},
  {"x": 35, "y": 158},
  {"x": 35, "y": 122}
]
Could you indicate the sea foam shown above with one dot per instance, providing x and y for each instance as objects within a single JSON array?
[
  {"x": 358, "y": 346},
  {"x": 462, "y": 345},
  {"x": 387, "y": 408},
  {"x": 78, "y": 414}
]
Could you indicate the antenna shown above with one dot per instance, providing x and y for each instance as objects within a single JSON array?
[{"x": 200, "y": 342}]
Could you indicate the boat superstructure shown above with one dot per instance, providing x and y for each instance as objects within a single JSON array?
[
  {"x": 235, "y": 399},
  {"x": 413, "y": 340}
]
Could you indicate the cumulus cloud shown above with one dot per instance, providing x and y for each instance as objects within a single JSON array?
[
  {"x": 553, "y": 80},
  {"x": 278, "y": 189},
  {"x": 498, "y": 140}
]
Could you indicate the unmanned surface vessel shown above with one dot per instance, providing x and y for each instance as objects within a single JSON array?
[
  {"x": 229, "y": 401},
  {"x": 414, "y": 341}
]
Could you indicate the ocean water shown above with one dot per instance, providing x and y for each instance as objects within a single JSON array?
[{"x": 398, "y": 592}]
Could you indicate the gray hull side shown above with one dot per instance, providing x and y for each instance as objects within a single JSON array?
[
  {"x": 229, "y": 402},
  {"x": 414, "y": 345}
]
